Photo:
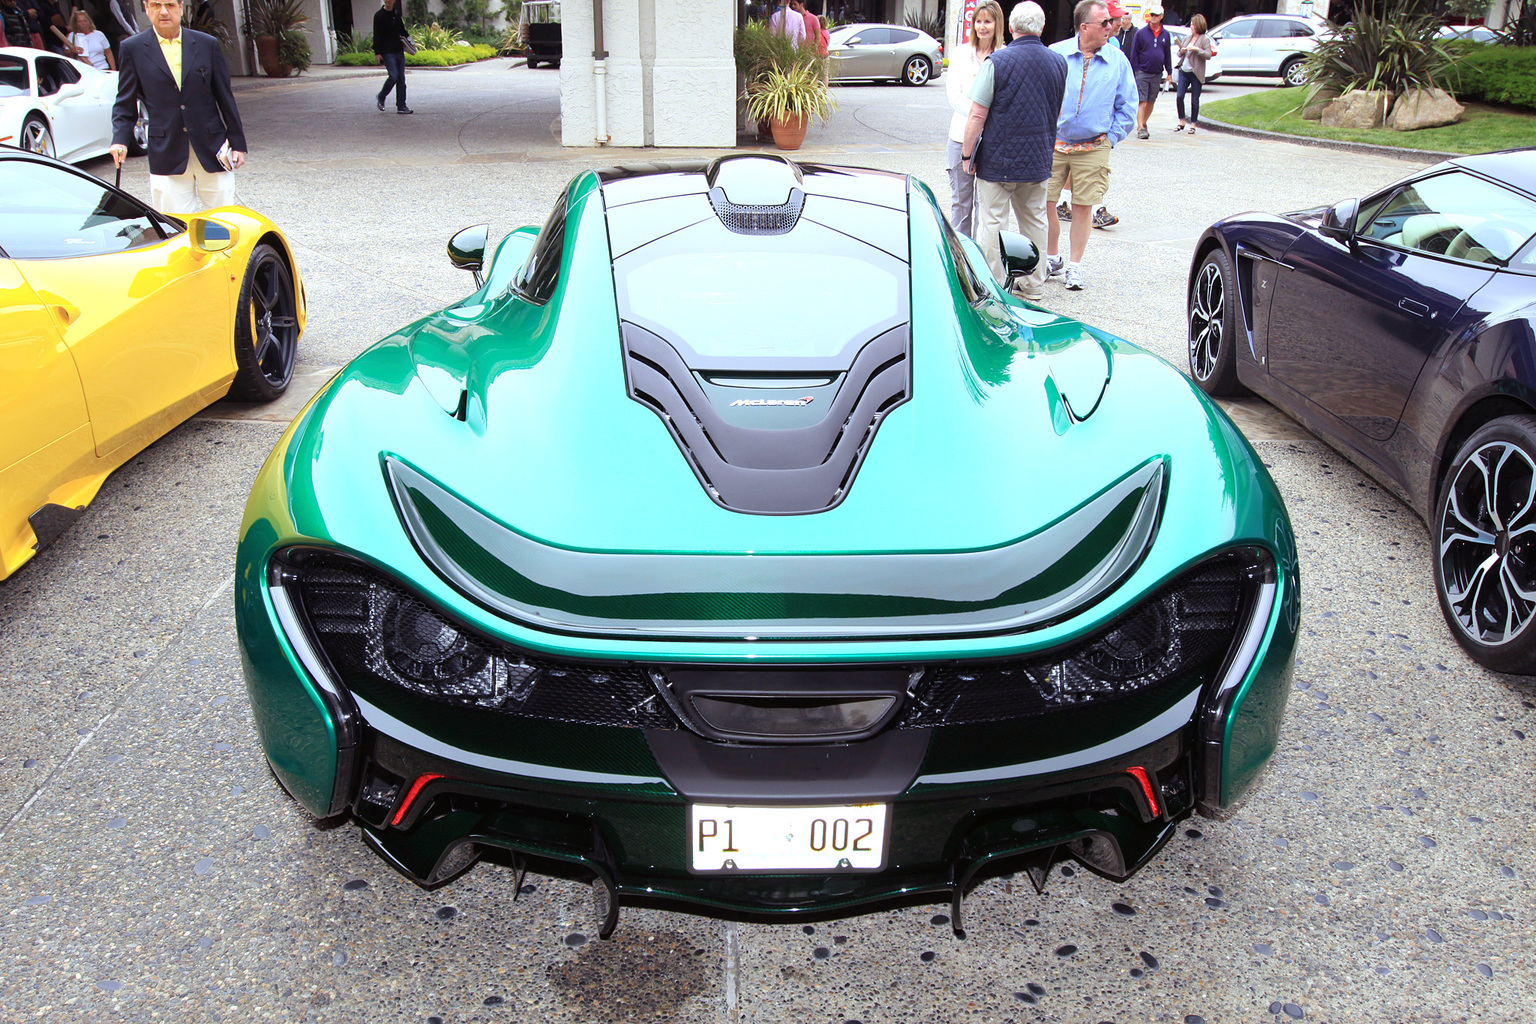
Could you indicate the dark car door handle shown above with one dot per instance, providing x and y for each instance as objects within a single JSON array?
[{"x": 1416, "y": 308}]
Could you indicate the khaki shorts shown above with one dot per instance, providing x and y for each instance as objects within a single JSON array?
[{"x": 1089, "y": 171}]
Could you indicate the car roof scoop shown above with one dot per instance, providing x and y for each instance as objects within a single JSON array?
[{"x": 756, "y": 195}]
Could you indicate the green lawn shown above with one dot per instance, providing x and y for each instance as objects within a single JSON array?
[{"x": 1482, "y": 128}]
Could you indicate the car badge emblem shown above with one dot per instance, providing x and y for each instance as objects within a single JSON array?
[{"x": 806, "y": 400}]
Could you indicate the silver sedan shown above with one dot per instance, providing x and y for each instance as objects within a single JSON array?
[{"x": 908, "y": 55}]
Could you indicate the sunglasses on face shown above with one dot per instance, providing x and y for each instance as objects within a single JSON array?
[{"x": 1108, "y": 22}]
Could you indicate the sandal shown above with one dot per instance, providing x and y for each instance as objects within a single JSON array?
[{"x": 1179, "y": 127}]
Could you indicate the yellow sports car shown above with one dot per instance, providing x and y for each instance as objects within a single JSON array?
[{"x": 116, "y": 324}]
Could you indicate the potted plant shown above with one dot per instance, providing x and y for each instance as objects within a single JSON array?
[
  {"x": 774, "y": 72},
  {"x": 787, "y": 99},
  {"x": 281, "y": 45}
]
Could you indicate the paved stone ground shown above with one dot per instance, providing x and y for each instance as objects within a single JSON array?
[{"x": 151, "y": 870}]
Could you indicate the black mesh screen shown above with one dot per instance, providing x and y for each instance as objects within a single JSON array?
[
  {"x": 1182, "y": 632},
  {"x": 757, "y": 220},
  {"x": 376, "y": 633}
]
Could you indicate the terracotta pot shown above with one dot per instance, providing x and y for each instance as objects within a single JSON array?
[
  {"x": 266, "y": 56},
  {"x": 789, "y": 134}
]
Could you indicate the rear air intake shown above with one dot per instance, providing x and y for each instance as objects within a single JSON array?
[{"x": 757, "y": 220}]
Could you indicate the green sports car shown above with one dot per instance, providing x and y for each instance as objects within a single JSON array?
[{"x": 740, "y": 543}]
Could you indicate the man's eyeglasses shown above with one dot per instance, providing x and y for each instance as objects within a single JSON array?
[{"x": 175, "y": 5}]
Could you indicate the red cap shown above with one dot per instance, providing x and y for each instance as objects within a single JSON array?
[{"x": 1115, "y": 9}]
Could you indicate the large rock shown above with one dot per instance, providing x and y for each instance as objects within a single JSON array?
[
  {"x": 1424, "y": 108},
  {"x": 1313, "y": 110},
  {"x": 1358, "y": 109}
]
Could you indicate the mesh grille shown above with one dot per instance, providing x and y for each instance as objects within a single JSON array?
[
  {"x": 1183, "y": 631},
  {"x": 757, "y": 220},
  {"x": 378, "y": 634}
]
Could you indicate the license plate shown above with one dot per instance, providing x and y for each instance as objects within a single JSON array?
[{"x": 785, "y": 839}]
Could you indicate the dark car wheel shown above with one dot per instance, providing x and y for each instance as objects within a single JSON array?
[
  {"x": 916, "y": 71},
  {"x": 1293, "y": 72},
  {"x": 1213, "y": 327},
  {"x": 1485, "y": 550},
  {"x": 266, "y": 329},
  {"x": 36, "y": 136}
]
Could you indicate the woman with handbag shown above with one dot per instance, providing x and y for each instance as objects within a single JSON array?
[
  {"x": 986, "y": 36},
  {"x": 1193, "y": 54},
  {"x": 390, "y": 42}
]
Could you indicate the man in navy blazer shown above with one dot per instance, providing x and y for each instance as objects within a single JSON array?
[{"x": 181, "y": 77}]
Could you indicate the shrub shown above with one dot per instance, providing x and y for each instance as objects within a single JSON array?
[
  {"x": 353, "y": 43},
  {"x": 759, "y": 51},
  {"x": 433, "y": 37},
  {"x": 425, "y": 58},
  {"x": 1498, "y": 74},
  {"x": 293, "y": 49},
  {"x": 1394, "y": 49}
]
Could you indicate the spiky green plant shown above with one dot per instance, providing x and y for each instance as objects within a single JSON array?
[
  {"x": 759, "y": 51},
  {"x": 1396, "y": 49},
  {"x": 789, "y": 95}
]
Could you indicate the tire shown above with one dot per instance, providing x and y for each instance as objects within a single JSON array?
[
  {"x": 36, "y": 136},
  {"x": 1212, "y": 324},
  {"x": 266, "y": 329},
  {"x": 139, "y": 145},
  {"x": 1293, "y": 73},
  {"x": 916, "y": 71},
  {"x": 1485, "y": 557}
]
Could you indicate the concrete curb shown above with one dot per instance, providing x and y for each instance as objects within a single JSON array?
[{"x": 1348, "y": 147}]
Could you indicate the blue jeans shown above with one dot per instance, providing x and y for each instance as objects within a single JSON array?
[
  {"x": 394, "y": 64},
  {"x": 1190, "y": 82}
]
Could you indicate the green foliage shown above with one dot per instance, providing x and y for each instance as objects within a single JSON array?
[
  {"x": 934, "y": 25},
  {"x": 416, "y": 12},
  {"x": 278, "y": 17},
  {"x": 482, "y": 36},
  {"x": 512, "y": 10},
  {"x": 434, "y": 37},
  {"x": 352, "y": 43},
  {"x": 759, "y": 51},
  {"x": 510, "y": 44},
  {"x": 789, "y": 95},
  {"x": 477, "y": 14},
  {"x": 293, "y": 49},
  {"x": 452, "y": 14},
  {"x": 425, "y": 58},
  {"x": 1395, "y": 48},
  {"x": 1498, "y": 74}
]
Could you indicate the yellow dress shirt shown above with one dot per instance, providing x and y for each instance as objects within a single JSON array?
[{"x": 171, "y": 48}]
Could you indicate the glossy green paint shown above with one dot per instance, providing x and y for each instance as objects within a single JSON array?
[{"x": 993, "y": 444}]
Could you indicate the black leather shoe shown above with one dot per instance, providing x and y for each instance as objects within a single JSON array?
[
  {"x": 404, "y": 110},
  {"x": 381, "y": 101}
]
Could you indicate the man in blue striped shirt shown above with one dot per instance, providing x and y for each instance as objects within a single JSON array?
[{"x": 1098, "y": 111}]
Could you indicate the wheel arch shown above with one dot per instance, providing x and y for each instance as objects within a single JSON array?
[{"x": 1507, "y": 401}]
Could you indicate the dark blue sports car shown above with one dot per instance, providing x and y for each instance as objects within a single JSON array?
[{"x": 1401, "y": 329}]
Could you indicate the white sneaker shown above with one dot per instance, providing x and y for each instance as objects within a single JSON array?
[
  {"x": 1055, "y": 266},
  {"x": 1074, "y": 279}
]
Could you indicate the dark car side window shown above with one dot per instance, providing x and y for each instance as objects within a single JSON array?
[
  {"x": 54, "y": 74},
  {"x": 15, "y": 80},
  {"x": 1272, "y": 28},
  {"x": 1296, "y": 29},
  {"x": 1456, "y": 215},
  {"x": 871, "y": 37},
  {"x": 902, "y": 35},
  {"x": 52, "y": 213},
  {"x": 541, "y": 273}
]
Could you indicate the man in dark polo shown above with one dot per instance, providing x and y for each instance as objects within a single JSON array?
[{"x": 1009, "y": 138}]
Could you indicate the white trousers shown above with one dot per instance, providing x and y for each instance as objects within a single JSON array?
[
  {"x": 1027, "y": 201},
  {"x": 179, "y": 193}
]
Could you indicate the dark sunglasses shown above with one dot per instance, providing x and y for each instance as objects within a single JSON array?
[{"x": 1108, "y": 22}]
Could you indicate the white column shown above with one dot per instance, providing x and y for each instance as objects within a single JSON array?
[{"x": 693, "y": 83}]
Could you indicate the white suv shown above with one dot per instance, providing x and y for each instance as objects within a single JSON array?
[{"x": 1267, "y": 45}]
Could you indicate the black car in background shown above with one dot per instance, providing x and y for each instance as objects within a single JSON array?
[{"x": 1401, "y": 329}]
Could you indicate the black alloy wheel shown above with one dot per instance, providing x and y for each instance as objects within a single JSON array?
[
  {"x": 916, "y": 71},
  {"x": 1213, "y": 327},
  {"x": 266, "y": 328},
  {"x": 1485, "y": 545}
]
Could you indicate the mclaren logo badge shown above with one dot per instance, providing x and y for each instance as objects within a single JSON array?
[{"x": 807, "y": 400}]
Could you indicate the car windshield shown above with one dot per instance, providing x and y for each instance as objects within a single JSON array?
[
  {"x": 52, "y": 213},
  {"x": 14, "y": 78},
  {"x": 1456, "y": 215}
]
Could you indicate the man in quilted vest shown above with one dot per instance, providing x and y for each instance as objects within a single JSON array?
[{"x": 1009, "y": 137}]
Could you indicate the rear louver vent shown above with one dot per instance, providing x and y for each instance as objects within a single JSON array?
[{"x": 757, "y": 220}]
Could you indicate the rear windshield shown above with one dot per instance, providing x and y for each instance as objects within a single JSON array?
[{"x": 812, "y": 295}]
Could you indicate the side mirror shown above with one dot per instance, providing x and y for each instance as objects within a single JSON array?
[
  {"x": 1339, "y": 220},
  {"x": 466, "y": 250},
  {"x": 213, "y": 235},
  {"x": 1020, "y": 256}
]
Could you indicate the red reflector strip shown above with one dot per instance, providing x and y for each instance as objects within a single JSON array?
[
  {"x": 1140, "y": 774},
  {"x": 422, "y": 780}
]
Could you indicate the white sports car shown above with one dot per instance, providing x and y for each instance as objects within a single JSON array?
[{"x": 57, "y": 106}]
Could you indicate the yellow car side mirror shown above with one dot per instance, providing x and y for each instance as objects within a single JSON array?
[{"x": 213, "y": 235}]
